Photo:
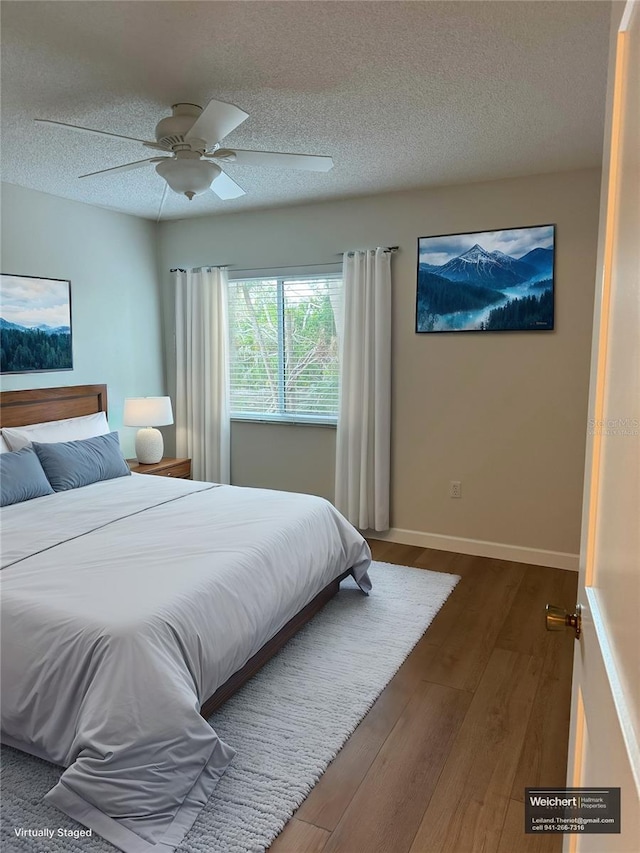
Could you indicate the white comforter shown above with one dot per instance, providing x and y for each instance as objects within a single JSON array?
[{"x": 124, "y": 606}]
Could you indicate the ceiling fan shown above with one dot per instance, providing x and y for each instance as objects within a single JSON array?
[{"x": 191, "y": 138}]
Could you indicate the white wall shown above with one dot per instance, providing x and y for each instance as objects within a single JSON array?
[
  {"x": 504, "y": 413},
  {"x": 110, "y": 259}
]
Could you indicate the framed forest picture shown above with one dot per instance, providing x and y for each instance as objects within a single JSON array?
[
  {"x": 487, "y": 281},
  {"x": 35, "y": 324}
]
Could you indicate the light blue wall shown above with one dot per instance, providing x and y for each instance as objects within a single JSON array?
[
  {"x": 505, "y": 414},
  {"x": 111, "y": 261}
]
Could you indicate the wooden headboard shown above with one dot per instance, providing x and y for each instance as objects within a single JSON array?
[{"x": 18, "y": 408}]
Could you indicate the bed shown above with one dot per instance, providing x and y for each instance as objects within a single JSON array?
[{"x": 131, "y": 608}]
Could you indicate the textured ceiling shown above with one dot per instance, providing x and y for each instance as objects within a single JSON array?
[{"x": 399, "y": 94}]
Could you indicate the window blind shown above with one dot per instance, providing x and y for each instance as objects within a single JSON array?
[{"x": 284, "y": 347}]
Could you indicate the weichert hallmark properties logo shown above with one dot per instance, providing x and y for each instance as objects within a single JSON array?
[{"x": 572, "y": 810}]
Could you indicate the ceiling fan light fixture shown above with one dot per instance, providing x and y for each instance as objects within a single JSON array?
[
  {"x": 188, "y": 138},
  {"x": 188, "y": 177}
]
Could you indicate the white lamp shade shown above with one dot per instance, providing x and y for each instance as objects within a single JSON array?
[{"x": 147, "y": 411}]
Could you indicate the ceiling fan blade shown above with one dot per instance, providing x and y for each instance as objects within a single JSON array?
[
  {"x": 157, "y": 146},
  {"x": 216, "y": 121},
  {"x": 80, "y": 129},
  {"x": 138, "y": 164},
  {"x": 275, "y": 159},
  {"x": 225, "y": 187}
]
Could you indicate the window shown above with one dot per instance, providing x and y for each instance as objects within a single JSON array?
[{"x": 284, "y": 348}]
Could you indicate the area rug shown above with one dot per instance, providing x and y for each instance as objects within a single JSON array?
[{"x": 287, "y": 723}]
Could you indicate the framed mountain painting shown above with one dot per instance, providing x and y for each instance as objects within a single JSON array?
[
  {"x": 487, "y": 281},
  {"x": 35, "y": 324}
]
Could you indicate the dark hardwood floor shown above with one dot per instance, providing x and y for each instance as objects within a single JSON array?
[{"x": 477, "y": 712}]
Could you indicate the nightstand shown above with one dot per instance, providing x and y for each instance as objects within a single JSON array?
[{"x": 166, "y": 467}]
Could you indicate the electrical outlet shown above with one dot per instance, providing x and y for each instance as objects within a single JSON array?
[{"x": 455, "y": 489}]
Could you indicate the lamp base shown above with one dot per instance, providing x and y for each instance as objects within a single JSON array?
[{"x": 149, "y": 445}]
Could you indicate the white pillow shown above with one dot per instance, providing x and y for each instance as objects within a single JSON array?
[
  {"x": 70, "y": 429},
  {"x": 4, "y": 447}
]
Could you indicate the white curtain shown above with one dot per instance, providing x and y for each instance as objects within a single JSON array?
[
  {"x": 202, "y": 373},
  {"x": 364, "y": 421}
]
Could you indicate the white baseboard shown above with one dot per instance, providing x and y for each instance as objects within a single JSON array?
[{"x": 479, "y": 548}]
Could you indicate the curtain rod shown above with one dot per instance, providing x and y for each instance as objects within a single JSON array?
[
  {"x": 391, "y": 249},
  {"x": 204, "y": 266}
]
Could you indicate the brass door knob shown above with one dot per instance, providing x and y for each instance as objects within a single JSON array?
[{"x": 557, "y": 619}]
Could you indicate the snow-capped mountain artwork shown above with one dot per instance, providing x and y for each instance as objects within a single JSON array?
[
  {"x": 492, "y": 268},
  {"x": 486, "y": 281}
]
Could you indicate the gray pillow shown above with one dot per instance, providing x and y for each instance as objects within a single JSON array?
[
  {"x": 71, "y": 464},
  {"x": 22, "y": 477}
]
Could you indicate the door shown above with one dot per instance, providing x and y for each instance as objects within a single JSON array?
[{"x": 605, "y": 714}]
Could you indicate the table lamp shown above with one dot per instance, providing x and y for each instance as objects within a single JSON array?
[{"x": 148, "y": 412}]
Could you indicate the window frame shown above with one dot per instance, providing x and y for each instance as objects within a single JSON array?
[{"x": 280, "y": 276}]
